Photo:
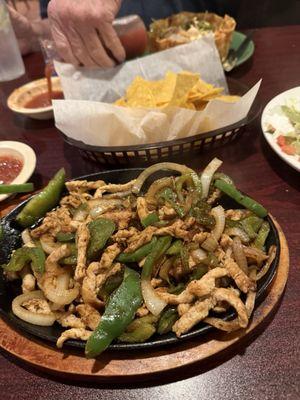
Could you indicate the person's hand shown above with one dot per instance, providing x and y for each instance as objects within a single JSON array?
[
  {"x": 28, "y": 32},
  {"x": 83, "y": 31},
  {"x": 23, "y": 30}
]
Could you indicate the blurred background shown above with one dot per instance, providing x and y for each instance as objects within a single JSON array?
[{"x": 248, "y": 14}]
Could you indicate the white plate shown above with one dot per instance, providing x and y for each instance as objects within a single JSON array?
[
  {"x": 26, "y": 154},
  {"x": 277, "y": 101}
]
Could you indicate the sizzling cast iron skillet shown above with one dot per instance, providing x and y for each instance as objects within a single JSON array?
[{"x": 9, "y": 290}]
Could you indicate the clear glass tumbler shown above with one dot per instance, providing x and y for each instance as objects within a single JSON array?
[{"x": 11, "y": 63}]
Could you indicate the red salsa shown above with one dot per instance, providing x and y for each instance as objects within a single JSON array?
[
  {"x": 10, "y": 167},
  {"x": 135, "y": 42},
  {"x": 43, "y": 100}
]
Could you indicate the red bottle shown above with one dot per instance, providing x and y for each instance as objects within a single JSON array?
[{"x": 133, "y": 35}]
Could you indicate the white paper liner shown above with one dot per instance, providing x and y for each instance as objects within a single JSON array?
[{"x": 87, "y": 115}]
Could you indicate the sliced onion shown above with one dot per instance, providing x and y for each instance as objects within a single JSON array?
[
  {"x": 239, "y": 254},
  {"x": 116, "y": 195},
  {"x": 29, "y": 316},
  {"x": 265, "y": 268},
  {"x": 207, "y": 175},
  {"x": 198, "y": 255},
  {"x": 80, "y": 214},
  {"x": 219, "y": 215},
  {"x": 103, "y": 202},
  {"x": 164, "y": 270},
  {"x": 153, "y": 302},
  {"x": 157, "y": 186},
  {"x": 62, "y": 283},
  {"x": 99, "y": 207},
  {"x": 211, "y": 243},
  {"x": 48, "y": 243},
  {"x": 58, "y": 294},
  {"x": 117, "y": 187},
  {"x": 236, "y": 231},
  {"x": 26, "y": 237},
  {"x": 183, "y": 169}
]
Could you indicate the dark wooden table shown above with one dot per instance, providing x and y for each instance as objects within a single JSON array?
[{"x": 266, "y": 366}]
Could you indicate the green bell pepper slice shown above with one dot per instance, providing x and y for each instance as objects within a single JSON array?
[
  {"x": 202, "y": 216},
  {"x": 151, "y": 219},
  {"x": 118, "y": 314},
  {"x": 17, "y": 188},
  {"x": 251, "y": 225},
  {"x": 169, "y": 196},
  {"x": 23, "y": 256},
  {"x": 100, "y": 231},
  {"x": 167, "y": 320},
  {"x": 175, "y": 248},
  {"x": 199, "y": 271},
  {"x": 158, "y": 250},
  {"x": 72, "y": 258},
  {"x": 43, "y": 202},
  {"x": 140, "y": 330},
  {"x": 262, "y": 235},
  {"x": 177, "y": 289},
  {"x": 138, "y": 254},
  {"x": 193, "y": 183},
  {"x": 65, "y": 237},
  {"x": 240, "y": 198}
]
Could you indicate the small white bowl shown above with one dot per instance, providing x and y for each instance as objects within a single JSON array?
[
  {"x": 19, "y": 97},
  {"x": 24, "y": 153}
]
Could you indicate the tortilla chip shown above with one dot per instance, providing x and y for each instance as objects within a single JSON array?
[
  {"x": 138, "y": 94},
  {"x": 184, "y": 89},
  {"x": 227, "y": 98},
  {"x": 183, "y": 84},
  {"x": 120, "y": 102},
  {"x": 165, "y": 90}
]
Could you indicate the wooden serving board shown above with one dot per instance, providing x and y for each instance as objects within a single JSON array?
[{"x": 129, "y": 366}]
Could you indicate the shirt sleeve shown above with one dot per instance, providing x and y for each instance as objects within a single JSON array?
[{"x": 43, "y": 8}]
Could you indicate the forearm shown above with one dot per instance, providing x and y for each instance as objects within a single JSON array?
[
  {"x": 40, "y": 30},
  {"x": 30, "y": 43}
]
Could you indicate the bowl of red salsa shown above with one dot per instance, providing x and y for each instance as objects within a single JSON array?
[
  {"x": 17, "y": 163},
  {"x": 35, "y": 98}
]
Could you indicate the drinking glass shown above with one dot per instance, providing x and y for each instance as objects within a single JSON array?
[{"x": 11, "y": 63}]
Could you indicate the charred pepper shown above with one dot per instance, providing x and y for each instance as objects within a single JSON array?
[
  {"x": 192, "y": 182},
  {"x": 169, "y": 196}
]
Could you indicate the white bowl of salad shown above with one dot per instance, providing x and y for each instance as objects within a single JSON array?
[{"x": 280, "y": 123}]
